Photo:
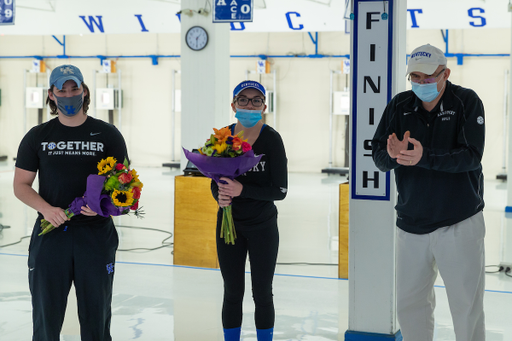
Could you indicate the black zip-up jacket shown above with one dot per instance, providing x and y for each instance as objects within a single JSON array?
[{"x": 446, "y": 186}]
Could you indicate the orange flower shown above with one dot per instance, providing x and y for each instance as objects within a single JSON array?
[
  {"x": 237, "y": 143},
  {"x": 222, "y": 134}
]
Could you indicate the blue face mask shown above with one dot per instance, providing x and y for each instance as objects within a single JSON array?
[
  {"x": 248, "y": 118},
  {"x": 426, "y": 92},
  {"x": 70, "y": 106}
]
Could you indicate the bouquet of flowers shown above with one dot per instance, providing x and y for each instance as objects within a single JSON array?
[
  {"x": 224, "y": 155},
  {"x": 113, "y": 192}
]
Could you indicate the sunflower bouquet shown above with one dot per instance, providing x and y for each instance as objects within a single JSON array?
[
  {"x": 114, "y": 191},
  {"x": 224, "y": 155},
  {"x": 122, "y": 184}
]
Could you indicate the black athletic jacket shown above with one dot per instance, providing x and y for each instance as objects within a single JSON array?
[
  {"x": 266, "y": 182},
  {"x": 446, "y": 186}
]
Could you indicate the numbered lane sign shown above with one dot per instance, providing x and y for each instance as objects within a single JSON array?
[
  {"x": 7, "y": 11},
  {"x": 232, "y": 10}
]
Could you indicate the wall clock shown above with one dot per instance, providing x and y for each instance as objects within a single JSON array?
[{"x": 196, "y": 38}]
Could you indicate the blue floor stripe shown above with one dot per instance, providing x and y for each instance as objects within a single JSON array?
[{"x": 282, "y": 275}]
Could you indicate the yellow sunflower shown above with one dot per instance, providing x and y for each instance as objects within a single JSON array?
[
  {"x": 122, "y": 198},
  {"x": 136, "y": 180},
  {"x": 106, "y": 165}
]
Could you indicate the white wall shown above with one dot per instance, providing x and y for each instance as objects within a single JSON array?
[{"x": 303, "y": 86}]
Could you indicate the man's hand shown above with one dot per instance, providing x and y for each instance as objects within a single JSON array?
[
  {"x": 411, "y": 157},
  {"x": 55, "y": 215},
  {"x": 395, "y": 146}
]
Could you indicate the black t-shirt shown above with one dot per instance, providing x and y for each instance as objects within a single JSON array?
[
  {"x": 64, "y": 156},
  {"x": 266, "y": 182}
]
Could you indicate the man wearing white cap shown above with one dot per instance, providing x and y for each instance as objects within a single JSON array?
[{"x": 433, "y": 138}]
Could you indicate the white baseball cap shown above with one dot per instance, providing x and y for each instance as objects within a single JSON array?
[{"x": 425, "y": 59}]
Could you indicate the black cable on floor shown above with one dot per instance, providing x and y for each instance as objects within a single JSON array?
[
  {"x": 19, "y": 241},
  {"x": 500, "y": 269},
  {"x": 164, "y": 244}
]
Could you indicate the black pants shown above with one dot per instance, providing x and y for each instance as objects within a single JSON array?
[
  {"x": 83, "y": 255},
  {"x": 262, "y": 246}
]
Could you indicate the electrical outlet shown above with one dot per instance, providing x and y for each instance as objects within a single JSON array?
[{"x": 505, "y": 266}]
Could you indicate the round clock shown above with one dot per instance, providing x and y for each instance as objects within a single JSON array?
[{"x": 196, "y": 38}]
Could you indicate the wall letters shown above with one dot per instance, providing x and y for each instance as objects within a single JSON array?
[
  {"x": 413, "y": 16},
  {"x": 290, "y": 24},
  {"x": 482, "y": 23},
  {"x": 92, "y": 21}
]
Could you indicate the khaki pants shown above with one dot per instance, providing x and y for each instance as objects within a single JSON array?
[{"x": 458, "y": 252}]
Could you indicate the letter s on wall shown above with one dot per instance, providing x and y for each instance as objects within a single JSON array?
[{"x": 483, "y": 20}]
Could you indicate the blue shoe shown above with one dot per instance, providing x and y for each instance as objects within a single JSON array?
[
  {"x": 265, "y": 334},
  {"x": 232, "y": 334}
]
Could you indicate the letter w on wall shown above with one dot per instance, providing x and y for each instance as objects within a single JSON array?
[{"x": 90, "y": 24}]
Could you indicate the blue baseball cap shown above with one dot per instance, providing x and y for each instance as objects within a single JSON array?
[
  {"x": 64, "y": 73},
  {"x": 248, "y": 85}
]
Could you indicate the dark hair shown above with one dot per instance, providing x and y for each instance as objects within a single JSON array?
[{"x": 53, "y": 105}]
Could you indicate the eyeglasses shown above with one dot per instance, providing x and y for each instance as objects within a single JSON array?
[
  {"x": 256, "y": 101},
  {"x": 417, "y": 79}
]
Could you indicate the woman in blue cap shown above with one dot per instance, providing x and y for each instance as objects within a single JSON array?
[
  {"x": 252, "y": 198},
  {"x": 63, "y": 152}
]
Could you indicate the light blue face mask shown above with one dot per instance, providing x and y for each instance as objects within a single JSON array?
[
  {"x": 70, "y": 106},
  {"x": 248, "y": 118},
  {"x": 426, "y": 92}
]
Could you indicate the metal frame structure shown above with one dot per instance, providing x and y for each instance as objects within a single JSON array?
[
  {"x": 117, "y": 91},
  {"x": 503, "y": 175},
  {"x": 330, "y": 169},
  {"x": 173, "y": 163},
  {"x": 25, "y": 71}
]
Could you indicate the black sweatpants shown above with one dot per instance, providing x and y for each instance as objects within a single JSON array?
[
  {"x": 83, "y": 255},
  {"x": 262, "y": 246}
]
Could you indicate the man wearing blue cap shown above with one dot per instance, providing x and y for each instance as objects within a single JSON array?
[
  {"x": 252, "y": 198},
  {"x": 433, "y": 138},
  {"x": 63, "y": 152}
]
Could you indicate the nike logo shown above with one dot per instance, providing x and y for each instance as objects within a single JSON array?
[
  {"x": 31, "y": 269},
  {"x": 94, "y": 134},
  {"x": 407, "y": 113}
]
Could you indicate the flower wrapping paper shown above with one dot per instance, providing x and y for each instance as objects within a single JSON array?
[
  {"x": 99, "y": 203},
  {"x": 217, "y": 167}
]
